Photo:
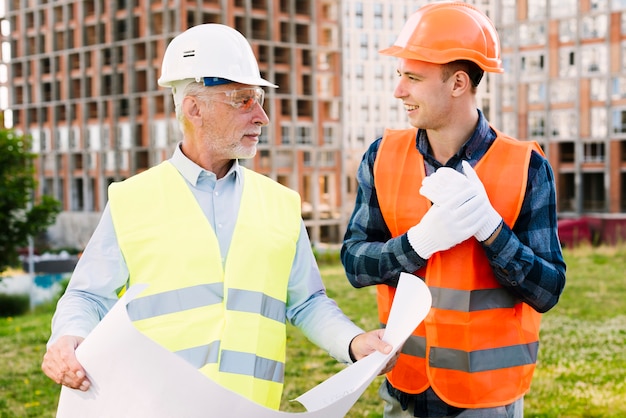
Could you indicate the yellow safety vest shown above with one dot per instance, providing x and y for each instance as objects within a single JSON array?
[{"x": 227, "y": 321}]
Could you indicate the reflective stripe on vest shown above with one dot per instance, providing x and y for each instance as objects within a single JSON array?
[
  {"x": 484, "y": 360},
  {"x": 204, "y": 295},
  {"x": 176, "y": 300},
  {"x": 476, "y": 361},
  {"x": 194, "y": 297},
  {"x": 477, "y": 348},
  {"x": 470, "y": 301},
  {"x": 228, "y": 321}
]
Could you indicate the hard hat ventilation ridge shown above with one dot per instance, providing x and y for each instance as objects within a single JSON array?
[{"x": 192, "y": 54}]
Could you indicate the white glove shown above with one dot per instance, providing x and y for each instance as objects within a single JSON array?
[
  {"x": 446, "y": 225},
  {"x": 491, "y": 218},
  {"x": 445, "y": 185}
]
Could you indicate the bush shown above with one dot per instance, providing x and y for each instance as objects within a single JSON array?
[
  {"x": 14, "y": 305},
  {"x": 326, "y": 256}
]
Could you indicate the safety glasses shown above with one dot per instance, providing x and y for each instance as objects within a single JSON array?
[{"x": 243, "y": 99}]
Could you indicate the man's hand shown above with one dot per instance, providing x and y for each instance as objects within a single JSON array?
[
  {"x": 467, "y": 211},
  {"x": 446, "y": 185},
  {"x": 455, "y": 216},
  {"x": 492, "y": 219},
  {"x": 364, "y": 344},
  {"x": 60, "y": 363}
]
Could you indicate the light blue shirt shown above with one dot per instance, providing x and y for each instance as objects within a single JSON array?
[{"x": 101, "y": 271}]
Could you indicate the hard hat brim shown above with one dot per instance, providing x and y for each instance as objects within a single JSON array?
[
  {"x": 251, "y": 81},
  {"x": 458, "y": 54}
]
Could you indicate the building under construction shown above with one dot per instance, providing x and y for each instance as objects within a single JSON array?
[{"x": 83, "y": 84}]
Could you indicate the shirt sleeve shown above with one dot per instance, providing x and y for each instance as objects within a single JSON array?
[
  {"x": 312, "y": 311},
  {"x": 92, "y": 291},
  {"x": 527, "y": 259},
  {"x": 369, "y": 254}
]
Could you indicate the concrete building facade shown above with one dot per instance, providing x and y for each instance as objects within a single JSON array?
[
  {"x": 565, "y": 87},
  {"x": 83, "y": 84}
]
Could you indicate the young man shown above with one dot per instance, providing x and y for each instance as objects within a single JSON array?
[
  {"x": 223, "y": 249},
  {"x": 471, "y": 211}
]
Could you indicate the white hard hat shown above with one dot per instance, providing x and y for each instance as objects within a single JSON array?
[{"x": 211, "y": 52}]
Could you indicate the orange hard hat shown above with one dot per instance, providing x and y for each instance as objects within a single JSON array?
[{"x": 449, "y": 31}]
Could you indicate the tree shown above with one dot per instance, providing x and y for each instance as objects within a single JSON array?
[{"x": 20, "y": 215}]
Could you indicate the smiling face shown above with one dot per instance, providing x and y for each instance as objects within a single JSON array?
[{"x": 426, "y": 96}]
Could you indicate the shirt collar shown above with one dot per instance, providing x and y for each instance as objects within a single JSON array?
[
  {"x": 192, "y": 172},
  {"x": 474, "y": 148}
]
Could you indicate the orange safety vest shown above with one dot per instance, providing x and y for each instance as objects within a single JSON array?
[{"x": 477, "y": 348}]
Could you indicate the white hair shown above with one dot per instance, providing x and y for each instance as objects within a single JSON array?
[
  {"x": 178, "y": 93},
  {"x": 180, "y": 90}
]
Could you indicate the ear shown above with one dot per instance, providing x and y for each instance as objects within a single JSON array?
[
  {"x": 192, "y": 110},
  {"x": 462, "y": 83}
]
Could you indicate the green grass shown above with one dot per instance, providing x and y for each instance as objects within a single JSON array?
[
  {"x": 582, "y": 360},
  {"x": 24, "y": 390}
]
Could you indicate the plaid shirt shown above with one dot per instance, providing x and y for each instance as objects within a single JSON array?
[{"x": 526, "y": 258}]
